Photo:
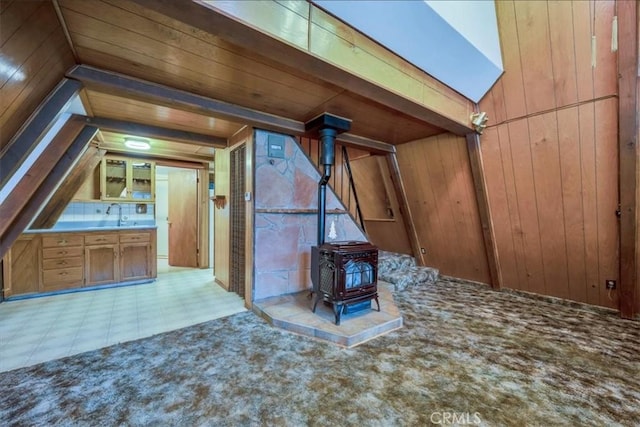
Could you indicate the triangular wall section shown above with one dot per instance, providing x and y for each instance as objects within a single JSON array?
[{"x": 286, "y": 199}]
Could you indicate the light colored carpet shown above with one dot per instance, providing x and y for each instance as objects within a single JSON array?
[{"x": 466, "y": 353}]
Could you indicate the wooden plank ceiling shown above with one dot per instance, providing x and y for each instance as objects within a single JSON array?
[
  {"x": 116, "y": 107},
  {"x": 124, "y": 37},
  {"x": 160, "y": 148}
]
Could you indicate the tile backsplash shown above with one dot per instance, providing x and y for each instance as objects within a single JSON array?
[{"x": 92, "y": 214}]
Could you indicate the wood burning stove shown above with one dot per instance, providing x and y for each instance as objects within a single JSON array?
[{"x": 344, "y": 274}]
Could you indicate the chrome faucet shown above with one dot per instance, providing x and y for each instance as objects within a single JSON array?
[{"x": 120, "y": 221}]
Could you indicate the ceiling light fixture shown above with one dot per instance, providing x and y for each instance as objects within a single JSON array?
[{"x": 136, "y": 143}]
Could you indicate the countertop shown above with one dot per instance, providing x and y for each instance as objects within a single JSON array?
[{"x": 91, "y": 229}]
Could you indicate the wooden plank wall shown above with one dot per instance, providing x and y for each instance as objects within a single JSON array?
[
  {"x": 35, "y": 53},
  {"x": 550, "y": 151},
  {"x": 383, "y": 220},
  {"x": 439, "y": 184},
  {"x": 628, "y": 125},
  {"x": 339, "y": 180},
  {"x": 221, "y": 220},
  {"x": 375, "y": 193}
]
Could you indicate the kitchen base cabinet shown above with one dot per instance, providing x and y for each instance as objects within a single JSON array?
[
  {"x": 101, "y": 264},
  {"x": 22, "y": 272},
  {"x": 62, "y": 262},
  {"x": 101, "y": 258},
  {"x": 47, "y": 262},
  {"x": 136, "y": 256},
  {"x": 135, "y": 261}
]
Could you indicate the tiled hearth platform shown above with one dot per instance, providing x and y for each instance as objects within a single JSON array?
[{"x": 293, "y": 312}]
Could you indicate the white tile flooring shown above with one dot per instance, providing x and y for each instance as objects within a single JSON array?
[{"x": 46, "y": 328}]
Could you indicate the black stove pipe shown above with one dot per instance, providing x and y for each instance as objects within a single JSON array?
[{"x": 327, "y": 159}]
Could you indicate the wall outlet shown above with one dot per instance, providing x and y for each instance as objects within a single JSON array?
[
  {"x": 423, "y": 250},
  {"x": 610, "y": 284}
]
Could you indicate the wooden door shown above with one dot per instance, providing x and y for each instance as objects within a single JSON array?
[{"x": 183, "y": 218}]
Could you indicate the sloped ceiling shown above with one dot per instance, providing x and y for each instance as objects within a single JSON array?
[{"x": 127, "y": 38}]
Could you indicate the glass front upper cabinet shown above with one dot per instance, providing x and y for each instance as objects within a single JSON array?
[{"x": 127, "y": 179}]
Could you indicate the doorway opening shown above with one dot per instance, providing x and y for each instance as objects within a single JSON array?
[{"x": 183, "y": 218}]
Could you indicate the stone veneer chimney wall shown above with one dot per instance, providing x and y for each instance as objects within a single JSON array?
[{"x": 283, "y": 237}]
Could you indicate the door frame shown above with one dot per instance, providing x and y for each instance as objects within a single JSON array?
[
  {"x": 202, "y": 221},
  {"x": 222, "y": 222}
]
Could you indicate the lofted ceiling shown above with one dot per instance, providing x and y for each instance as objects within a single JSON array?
[{"x": 124, "y": 37}]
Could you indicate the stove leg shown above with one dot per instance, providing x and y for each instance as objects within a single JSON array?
[
  {"x": 315, "y": 302},
  {"x": 337, "y": 311},
  {"x": 377, "y": 302}
]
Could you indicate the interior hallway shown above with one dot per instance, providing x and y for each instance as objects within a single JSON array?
[{"x": 40, "y": 329}]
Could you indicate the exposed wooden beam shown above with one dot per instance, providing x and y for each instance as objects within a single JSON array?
[
  {"x": 26, "y": 139},
  {"x": 403, "y": 204},
  {"x": 43, "y": 178},
  {"x": 164, "y": 95},
  {"x": 12, "y": 206},
  {"x": 150, "y": 131},
  {"x": 171, "y": 97},
  {"x": 480, "y": 185},
  {"x": 363, "y": 143},
  {"x": 72, "y": 183},
  {"x": 159, "y": 154},
  {"x": 181, "y": 164},
  {"x": 219, "y": 20},
  {"x": 628, "y": 123}
]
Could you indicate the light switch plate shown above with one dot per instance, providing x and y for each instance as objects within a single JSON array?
[{"x": 247, "y": 196}]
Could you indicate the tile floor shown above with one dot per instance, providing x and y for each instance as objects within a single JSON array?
[
  {"x": 39, "y": 329},
  {"x": 293, "y": 313}
]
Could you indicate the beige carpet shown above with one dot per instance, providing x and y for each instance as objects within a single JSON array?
[{"x": 466, "y": 354}]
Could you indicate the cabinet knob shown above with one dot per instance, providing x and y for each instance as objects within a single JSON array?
[
  {"x": 62, "y": 242},
  {"x": 62, "y": 252},
  {"x": 62, "y": 263}
]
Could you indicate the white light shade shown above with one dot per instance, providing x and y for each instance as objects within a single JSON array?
[{"x": 137, "y": 143}]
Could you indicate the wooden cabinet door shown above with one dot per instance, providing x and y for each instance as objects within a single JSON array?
[
  {"x": 125, "y": 179},
  {"x": 114, "y": 179},
  {"x": 101, "y": 264},
  {"x": 135, "y": 261},
  {"x": 22, "y": 266}
]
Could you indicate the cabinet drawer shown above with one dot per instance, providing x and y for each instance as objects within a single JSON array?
[
  {"x": 100, "y": 239},
  {"x": 62, "y": 252},
  {"x": 134, "y": 237},
  {"x": 71, "y": 274},
  {"x": 62, "y": 240},
  {"x": 51, "y": 264}
]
